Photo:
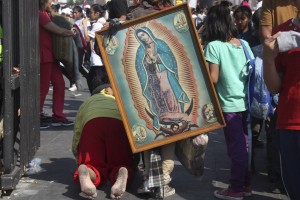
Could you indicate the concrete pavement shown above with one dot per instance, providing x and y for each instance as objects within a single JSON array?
[{"x": 55, "y": 181}]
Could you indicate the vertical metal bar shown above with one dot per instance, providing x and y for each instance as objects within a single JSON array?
[
  {"x": 8, "y": 143},
  {"x": 29, "y": 79}
]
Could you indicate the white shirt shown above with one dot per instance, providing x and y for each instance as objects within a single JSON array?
[
  {"x": 79, "y": 23},
  {"x": 258, "y": 5},
  {"x": 95, "y": 59}
]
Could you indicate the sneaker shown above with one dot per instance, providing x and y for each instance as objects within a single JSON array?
[
  {"x": 44, "y": 125},
  {"x": 62, "y": 123},
  {"x": 45, "y": 118},
  {"x": 73, "y": 88},
  {"x": 166, "y": 191},
  {"x": 247, "y": 191},
  {"x": 144, "y": 188},
  {"x": 229, "y": 194},
  {"x": 75, "y": 94}
]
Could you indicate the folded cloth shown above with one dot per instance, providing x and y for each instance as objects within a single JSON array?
[{"x": 288, "y": 40}]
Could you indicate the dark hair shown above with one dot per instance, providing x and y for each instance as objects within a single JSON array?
[
  {"x": 97, "y": 79},
  {"x": 42, "y": 3},
  {"x": 55, "y": 7},
  {"x": 173, "y": 125},
  {"x": 226, "y": 3},
  {"x": 255, "y": 18},
  {"x": 245, "y": 10},
  {"x": 97, "y": 8},
  {"x": 78, "y": 8},
  {"x": 219, "y": 24},
  {"x": 87, "y": 11},
  {"x": 139, "y": 31}
]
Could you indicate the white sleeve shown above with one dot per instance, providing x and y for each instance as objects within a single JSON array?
[
  {"x": 102, "y": 20},
  {"x": 96, "y": 27}
]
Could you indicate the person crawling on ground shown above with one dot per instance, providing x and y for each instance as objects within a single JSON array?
[{"x": 100, "y": 144}]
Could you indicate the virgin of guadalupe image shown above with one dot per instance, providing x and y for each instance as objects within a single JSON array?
[{"x": 157, "y": 71}]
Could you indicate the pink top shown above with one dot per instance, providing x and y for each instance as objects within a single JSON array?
[{"x": 46, "y": 50}]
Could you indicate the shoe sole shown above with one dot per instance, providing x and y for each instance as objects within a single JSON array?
[
  {"x": 76, "y": 95},
  {"x": 72, "y": 89},
  {"x": 172, "y": 192},
  {"x": 168, "y": 194},
  {"x": 60, "y": 125},
  {"x": 227, "y": 197},
  {"x": 143, "y": 191},
  {"x": 44, "y": 127}
]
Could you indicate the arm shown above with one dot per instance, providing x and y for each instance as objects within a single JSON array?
[
  {"x": 86, "y": 33},
  {"x": 266, "y": 20},
  {"x": 53, "y": 28},
  {"x": 271, "y": 75},
  {"x": 214, "y": 72},
  {"x": 122, "y": 18}
]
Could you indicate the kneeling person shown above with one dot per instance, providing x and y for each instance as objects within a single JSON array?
[{"x": 100, "y": 144}]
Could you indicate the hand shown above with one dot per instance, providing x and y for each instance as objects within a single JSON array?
[
  {"x": 106, "y": 25},
  {"x": 150, "y": 53},
  {"x": 271, "y": 46},
  {"x": 74, "y": 31}
]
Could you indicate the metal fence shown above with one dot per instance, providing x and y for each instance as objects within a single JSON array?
[{"x": 20, "y": 90}]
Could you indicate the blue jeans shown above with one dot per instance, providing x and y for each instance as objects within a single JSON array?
[
  {"x": 236, "y": 136},
  {"x": 289, "y": 148}
]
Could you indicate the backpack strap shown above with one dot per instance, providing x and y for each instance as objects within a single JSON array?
[
  {"x": 251, "y": 71},
  {"x": 251, "y": 61},
  {"x": 249, "y": 130}
]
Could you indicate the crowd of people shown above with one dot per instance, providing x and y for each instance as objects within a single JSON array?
[{"x": 231, "y": 36}]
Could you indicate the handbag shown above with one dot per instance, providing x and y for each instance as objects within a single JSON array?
[
  {"x": 63, "y": 45},
  {"x": 63, "y": 50},
  {"x": 191, "y": 152}
]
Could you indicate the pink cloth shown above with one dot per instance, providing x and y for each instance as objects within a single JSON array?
[
  {"x": 50, "y": 71},
  {"x": 245, "y": 3}
]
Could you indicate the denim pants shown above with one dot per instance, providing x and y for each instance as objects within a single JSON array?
[
  {"x": 236, "y": 136},
  {"x": 289, "y": 148}
]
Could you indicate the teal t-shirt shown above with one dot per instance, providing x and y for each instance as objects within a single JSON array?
[{"x": 233, "y": 70}]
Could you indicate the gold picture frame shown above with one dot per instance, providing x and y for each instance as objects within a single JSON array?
[{"x": 160, "y": 79}]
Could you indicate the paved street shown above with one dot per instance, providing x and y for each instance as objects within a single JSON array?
[{"x": 55, "y": 182}]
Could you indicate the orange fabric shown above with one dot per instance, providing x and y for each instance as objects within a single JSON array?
[{"x": 275, "y": 12}]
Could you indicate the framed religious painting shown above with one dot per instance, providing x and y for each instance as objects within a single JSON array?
[{"x": 160, "y": 79}]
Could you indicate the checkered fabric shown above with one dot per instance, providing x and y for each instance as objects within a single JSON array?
[{"x": 155, "y": 171}]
